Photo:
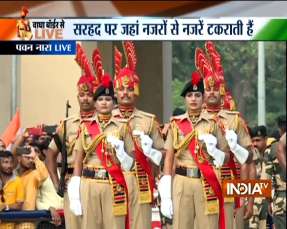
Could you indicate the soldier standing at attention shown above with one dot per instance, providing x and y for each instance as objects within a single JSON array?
[
  {"x": 260, "y": 207},
  {"x": 86, "y": 87},
  {"x": 101, "y": 195},
  {"x": 146, "y": 140},
  {"x": 218, "y": 104},
  {"x": 197, "y": 148}
]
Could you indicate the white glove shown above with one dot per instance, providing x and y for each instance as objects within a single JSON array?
[
  {"x": 125, "y": 160},
  {"x": 73, "y": 190},
  {"x": 156, "y": 156},
  {"x": 239, "y": 152},
  {"x": 164, "y": 189},
  {"x": 146, "y": 145},
  {"x": 210, "y": 142},
  {"x": 146, "y": 141}
]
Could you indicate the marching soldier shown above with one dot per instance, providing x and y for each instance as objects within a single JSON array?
[
  {"x": 195, "y": 192},
  {"x": 260, "y": 207},
  {"x": 146, "y": 139},
  {"x": 86, "y": 87},
  {"x": 219, "y": 104},
  {"x": 101, "y": 194},
  {"x": 273, "y": 170}
]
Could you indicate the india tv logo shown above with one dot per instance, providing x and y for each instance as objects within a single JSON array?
[
  {"x": 247, "y": 188},
  {"x": 23, "y": 26}
]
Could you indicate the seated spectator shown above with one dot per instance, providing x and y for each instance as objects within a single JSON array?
[{"x": 12, "y": 190}]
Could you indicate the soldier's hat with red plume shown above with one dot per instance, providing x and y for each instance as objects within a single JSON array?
[
  {"x": 194, "y": 84},
  {"x": 24, "y": 11},
  {"x": 105, "y": 86},
  {"x": 126, "y": 76},
  {"x": 87, "y": 82},
  {"x": 205, "y": 67},
  {"x": 99, "y": 83}
]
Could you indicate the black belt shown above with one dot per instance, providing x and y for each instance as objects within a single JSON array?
[
  {"x": 95, "y": 173},
  {"x": 70, "y": 171},
  {"x": 188, "y": 172}
]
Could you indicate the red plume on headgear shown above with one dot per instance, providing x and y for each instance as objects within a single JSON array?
[
  {"x": 98, "y": 65},
  {"x": 106, "y": 80},
  {"x": 195, "y": 78},
  {"x": 118, "y": 61},
  {"x": 215, "y": 58},
  {"x": 83, "y": 61},
  {"x": 130, "y": 55},
  {"x": 24, "y": 11},
  {"x": 202, "y": 63}
]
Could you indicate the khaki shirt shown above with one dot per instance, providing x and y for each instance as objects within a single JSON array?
[
  {"x": 112, "y": 127},
  {"x": 204, "y": 125},
  {"x": 232, "y": 120},
  {"x": 72, "y": 132},
  {"x": 144, "y": 122}
]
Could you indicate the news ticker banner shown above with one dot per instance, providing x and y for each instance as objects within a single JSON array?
[
  {"x": 38, "y": 47},
  {"x": 138, "y": 28}
]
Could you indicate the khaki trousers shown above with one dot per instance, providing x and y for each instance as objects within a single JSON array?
[
  {"x": 140, "y": 214},
  {"x": 229, "y": 215},
  {"x": 239, "y": 221},
  {"x": 71, "y": 221},
  {"x": 189, "y": 204},
  {"x": 96, "y": 199}
]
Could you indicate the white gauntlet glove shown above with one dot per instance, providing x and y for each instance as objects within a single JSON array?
[
  {"x": 73, "y": 190},
  {"x": 146, "y": 144},
  {"x": 125, "y": 160},
  {"x": 164, "y": 189},
  {"x": 239, "y": 152},
  {"x": 210, "y": 142}
]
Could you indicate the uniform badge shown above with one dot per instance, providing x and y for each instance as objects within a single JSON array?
[
  {"x": 194, "y": 87},
  {"x": 107, "y": 91},
  {"x": 126, "y": 80}
]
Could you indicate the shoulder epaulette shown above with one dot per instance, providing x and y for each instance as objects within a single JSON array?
[
  {"x": 143, "y": 113},
  {"x": 177, "y": 117},
  {"x": 232, "y": 112}
]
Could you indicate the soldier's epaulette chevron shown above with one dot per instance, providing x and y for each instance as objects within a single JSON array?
[
  {"x": 173, "y": 118},
  {"x": 232, "y": 112},
  {"x": 147, "y": 114}
]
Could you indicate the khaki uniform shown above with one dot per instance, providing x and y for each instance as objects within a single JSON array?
[
  {"x": 231, "y": 120},
  {"x": 72, "y": 132},
  {"x": 140, "y": 213},
  {"x": 273, "y": 171},
  {"x": 22, "y": 26},
  {"x": 189, "y": 200},
  {"x": 96, "y": 194},
  {"x": 260, "y": 207}
]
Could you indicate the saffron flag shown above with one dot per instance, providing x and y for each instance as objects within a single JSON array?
[{"x": 10, "y": 133}]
